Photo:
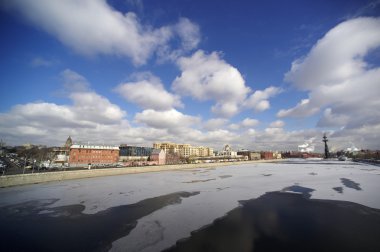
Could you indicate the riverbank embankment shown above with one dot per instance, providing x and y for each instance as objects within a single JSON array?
[{"x": 35, "y": 178}]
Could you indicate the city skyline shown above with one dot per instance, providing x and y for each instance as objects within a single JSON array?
[{"x": 264, "y": 76}]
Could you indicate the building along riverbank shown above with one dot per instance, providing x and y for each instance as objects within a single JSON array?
[{"x": 34, "y": 178}]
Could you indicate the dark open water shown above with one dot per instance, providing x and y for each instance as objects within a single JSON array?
[
  {"x": 279, "y": 221},
  {"x": 66, "y": 228},
  {"x": 276, "y": 221}
]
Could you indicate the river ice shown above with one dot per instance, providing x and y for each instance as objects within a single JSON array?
[{"x": 220, "y": 189}]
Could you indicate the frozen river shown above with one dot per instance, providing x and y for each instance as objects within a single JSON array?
[{"x": 152, "y": 211}]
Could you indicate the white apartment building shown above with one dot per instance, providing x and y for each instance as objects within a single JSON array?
[{"x": 185, "y": 150}]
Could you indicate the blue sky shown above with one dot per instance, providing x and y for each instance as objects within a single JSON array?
[{"x": 255, "y": 74}]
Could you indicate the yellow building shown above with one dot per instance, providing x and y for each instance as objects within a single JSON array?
[
  {"x": 185, "y": 150},
  {"x": 195, "y": 151},
  {"x": 277, "y": 155},
  {"x": 167, "y": 147},
  {"x": 205, "y": 151}
]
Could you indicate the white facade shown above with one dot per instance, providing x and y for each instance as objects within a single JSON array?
[
  {"x": 94, "y": 147},
  {"x": 227, "y": 152}
]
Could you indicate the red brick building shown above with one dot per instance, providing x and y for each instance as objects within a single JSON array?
[
  {"x": 93, "y": 154},
  {"x": 267, "y": 155}
]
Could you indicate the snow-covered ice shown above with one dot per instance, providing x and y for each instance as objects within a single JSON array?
[{"x": 220, "y": 189}]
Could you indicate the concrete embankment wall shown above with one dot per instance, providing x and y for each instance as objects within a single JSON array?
[{"x": 23, "y": 179}]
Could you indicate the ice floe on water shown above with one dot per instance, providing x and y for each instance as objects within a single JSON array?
[{"x": 220, "y": 191}]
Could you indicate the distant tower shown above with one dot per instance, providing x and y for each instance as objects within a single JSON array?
[
  {"x": 326, "y": 147},
  {"x": 68, "y": 143},
  {"x": 227, "y": 147}
]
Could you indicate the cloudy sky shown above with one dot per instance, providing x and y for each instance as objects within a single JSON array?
[{"x": 265, "y": 75}]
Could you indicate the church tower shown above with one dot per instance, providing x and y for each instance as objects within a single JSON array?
[{"x": 68, "y": 143}]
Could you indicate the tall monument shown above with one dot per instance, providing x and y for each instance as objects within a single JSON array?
[{"x": 325, "y": 140}]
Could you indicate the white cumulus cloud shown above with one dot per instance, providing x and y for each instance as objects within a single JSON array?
[
  {"x": 189, "y": 33},
  {"x": 168, "y": 119},
  {"x": 259, "y": 100},
  {"x": 214, "y": 123},
  {"x": 302, "y": 109},
  {"x": 94, "y": 107},
  {"x": 338, "y": 56},
  {"x": 149, "y": 93},
  {"x": 246, "y": 123},
  {"x": 338, "y": 78},
  {"x": 234, "y": 126},
  {"x": 341, "y": 82},
  {"x": 93, "y": 27},
  {"x": 332, "y": 120},
  {"x": 249, "y": 122},
  {"x": 74, "y": 82},
  {"x": 277, "y": 124},
  {"x": 208, "y": 77},
  {"x": 89, "y": 117}
]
